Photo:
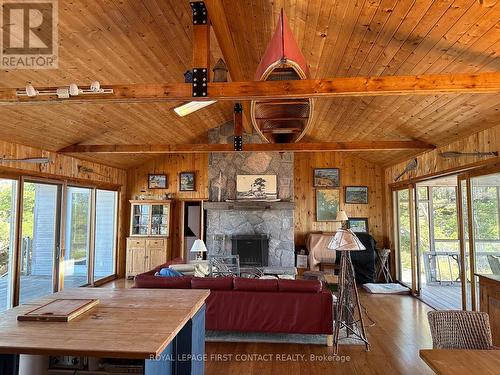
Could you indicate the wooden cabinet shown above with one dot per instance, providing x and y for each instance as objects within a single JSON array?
[
  {"x": 489, "y": 291},
  {"x": 150, "y": 218},
  {"x": 145, "y": 254},
  {"x": 148, "y": 244}
]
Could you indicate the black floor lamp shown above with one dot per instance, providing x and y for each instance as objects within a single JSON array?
[{"x": 348, "y": 311}]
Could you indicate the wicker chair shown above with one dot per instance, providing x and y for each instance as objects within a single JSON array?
[{"x": 456, "y": 329}]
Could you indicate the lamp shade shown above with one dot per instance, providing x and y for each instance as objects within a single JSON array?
[
  {"x": 345, "y": 240},
  {"x": 342, "y": 216},
  {"x": 198, "y": 246}
]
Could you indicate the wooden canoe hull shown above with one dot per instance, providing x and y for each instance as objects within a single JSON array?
[{"x": 286, "y": 120}]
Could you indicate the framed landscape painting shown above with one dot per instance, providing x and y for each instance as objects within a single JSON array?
[
  {"x": 358, "y": 224},
  {"x": 256, "y": 187},
  {"x": 186, "y": 181},
  {"x": 326, "y": 177},
  {"x": 356, "y": 194},
  {"x": 327, "y": 204},
  {"x": 157, "y": 181}
]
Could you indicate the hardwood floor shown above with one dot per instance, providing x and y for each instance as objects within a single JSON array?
[{"x": 400, "y": 331}]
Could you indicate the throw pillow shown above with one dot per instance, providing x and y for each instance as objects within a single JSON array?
[
  {"x": 169, "y": 272},
  {"x": 201, "y": 270}
]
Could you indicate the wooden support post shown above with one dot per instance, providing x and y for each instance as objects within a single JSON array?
[
  {"x": 201, "y": 37},
  {"x": 238, "y": 127},
  {"x": 227, "y": 44}
]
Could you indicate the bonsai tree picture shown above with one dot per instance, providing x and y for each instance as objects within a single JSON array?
[{"x": 259, "y": 188}]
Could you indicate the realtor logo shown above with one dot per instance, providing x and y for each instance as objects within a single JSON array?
[{"x": 28, "y": 34}]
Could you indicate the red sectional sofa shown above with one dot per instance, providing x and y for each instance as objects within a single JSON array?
[{"x": 254, "y": 305}]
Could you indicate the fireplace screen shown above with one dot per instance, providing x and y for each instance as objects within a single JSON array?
[{"x": 253, "y": 250}]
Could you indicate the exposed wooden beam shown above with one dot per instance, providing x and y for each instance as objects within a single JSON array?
[
  {"x": 258, "y": 90},
  {"x": 201, "y": 47},
  {"x": 269, "y": 147},
  {"x": 227, "y": 45}
]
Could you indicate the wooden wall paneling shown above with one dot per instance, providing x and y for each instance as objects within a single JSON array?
[
  {"x": 171, "y": 165},
  {"x": 353, "y": 172}
]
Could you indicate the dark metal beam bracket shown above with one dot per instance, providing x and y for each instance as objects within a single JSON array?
[
  {"x": 200, "y": 80},
  {"x": 200, "y": 14}
]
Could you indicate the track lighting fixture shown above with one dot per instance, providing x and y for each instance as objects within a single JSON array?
[
  {"x": 30, "y": 90},
  {"x": 64, "y": 92}
]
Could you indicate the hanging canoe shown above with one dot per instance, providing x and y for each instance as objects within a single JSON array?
[{"x": 283, "y": 120}]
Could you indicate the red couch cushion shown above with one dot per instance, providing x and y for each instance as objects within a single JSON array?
[
  {"x": 255, "y": 285},
  {"x": 240, "y": 311},
  {"x": 300, "y": 286},
  {"x": 212, "y": 283},
  {"x": 159, "y": 282}
]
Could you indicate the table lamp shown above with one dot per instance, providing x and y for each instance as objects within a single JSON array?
[
  {"x": 199, "y": 248},
  {"x": 348, "y": 311}
]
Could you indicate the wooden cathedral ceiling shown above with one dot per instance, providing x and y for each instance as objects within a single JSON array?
[{"x": 150, "y": 41}]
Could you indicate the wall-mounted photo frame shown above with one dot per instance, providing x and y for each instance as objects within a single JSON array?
[
  {"x": 256, "y": 187},
  {"x": 327, "y": 204},
  {"x": 358, "y": 224},
  {"x": 187, "y": 181},
  {"x": 157, "y": 181},
  {"x": 356, "y": 194},
  {"x": 326, "y": 177}
]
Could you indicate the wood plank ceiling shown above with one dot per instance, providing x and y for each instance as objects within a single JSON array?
[{"x": 129, "y": 41}]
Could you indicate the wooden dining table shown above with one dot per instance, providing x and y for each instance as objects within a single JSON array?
[{"x": 462, "y": 362}]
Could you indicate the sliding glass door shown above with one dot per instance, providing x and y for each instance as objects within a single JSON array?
[
  {"x": 40, "y": 240},
  {"x": 106, "y": 207},
  {"x": 485, "y": 241},
  {"x": 8, "y": 189},
  {"x": 77, "y": 238},
  {"x": 404, "y": 236}
]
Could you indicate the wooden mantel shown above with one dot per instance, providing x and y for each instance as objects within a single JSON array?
[{"x": 250, "y": 205}]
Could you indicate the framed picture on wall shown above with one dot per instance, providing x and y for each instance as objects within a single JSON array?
[
  {"x": 326, "y": 177},
  {"x": 356, "y": 194},
  {"x": 257, "y": 187},
  {"x": 157, "y": 181},
  {"x": 327, "y": 204},
  {"x": 187, "y": 181},
  {"x": 358, "y": 224}
]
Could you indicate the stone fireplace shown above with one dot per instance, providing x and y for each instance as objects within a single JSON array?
[{"x": 226, "y": 220}]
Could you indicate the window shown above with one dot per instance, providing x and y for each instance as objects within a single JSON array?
[
  {"x": 77, "y": 249},
  {"x": 40, "y": 240},
  {"x": 445, "y": 216},
  {"x": 105, "y": 233},
  {"x": 8, "y": 189}
]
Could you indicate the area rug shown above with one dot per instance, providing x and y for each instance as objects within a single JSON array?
[{"x": 274, "y": 338}]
